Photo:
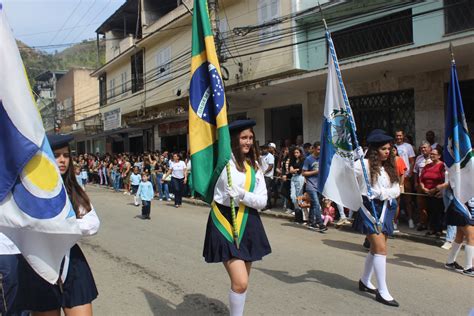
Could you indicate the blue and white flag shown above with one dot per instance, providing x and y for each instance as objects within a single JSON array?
[
  {"x": 458, "y": 154},
  {"x": 35, "y": 212},
  {"x": 337, "y": 179}
]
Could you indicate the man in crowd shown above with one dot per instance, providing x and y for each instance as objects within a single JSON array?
[
  {"x": 430, "y": 137},
  {"x": 267, "y": 161},
  {"x": 307, "y": 149},
  {"x": 421, "y": 161},
  {"x": 406, "y": 152},
  {"x": 311, "y": 172}
]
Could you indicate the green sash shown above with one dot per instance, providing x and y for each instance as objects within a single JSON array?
[{"x": 241, "y": 215}]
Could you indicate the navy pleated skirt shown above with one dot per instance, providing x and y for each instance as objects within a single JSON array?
[
  {"x": 363, "y": 227},
  {"x": 218, "y": 246},
  {"x": 454, "y": 218},
  {"x": 36, "y": 294}
]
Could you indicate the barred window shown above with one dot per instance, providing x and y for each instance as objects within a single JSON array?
[
  {"x": 458, "y": 15},
  {"x": 389, "y": 31}
]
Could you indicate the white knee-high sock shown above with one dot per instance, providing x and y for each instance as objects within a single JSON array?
[
  {"x": 368, "y": 269},
  {"x": 453, "y": 253},
  {"x": 237, "y": 303},
  {"x": 469, "y": 256},
  {"x": 380, "y": 263}
]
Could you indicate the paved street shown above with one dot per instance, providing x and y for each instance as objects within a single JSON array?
[{"x": 155, "y": 268}]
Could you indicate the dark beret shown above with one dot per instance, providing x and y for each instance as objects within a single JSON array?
[
  {"x": 378, "y": 136},
  {"x": 59, "y": 141},
  {"x": 240, "y": 125}
]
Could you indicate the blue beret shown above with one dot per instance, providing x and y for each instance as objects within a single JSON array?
[
  {"x": 59, "y": 141},
  {"x": 378, "y": 136},
  {"x": 240, "y": 125}
]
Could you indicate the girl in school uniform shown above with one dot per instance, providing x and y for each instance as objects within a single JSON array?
[{"x": 250, "y": 194}]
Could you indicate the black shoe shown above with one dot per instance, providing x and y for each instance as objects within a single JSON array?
[
  {"x": 380, "y": 299},
  {"x": 365, "y": 288},
  {"x": 454, "y": 266},
  {"x": 322, "y": 228}
]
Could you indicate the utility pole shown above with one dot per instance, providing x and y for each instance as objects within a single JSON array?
[{"x": 214, "y": 17}]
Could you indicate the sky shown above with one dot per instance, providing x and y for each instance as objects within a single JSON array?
[{"x": 48, "y": 24}]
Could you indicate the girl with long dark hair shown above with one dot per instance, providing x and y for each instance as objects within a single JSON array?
[
  {"x": 75, "y": 289},
  {"x": 383, "y": 178},
  {"x": 297, "y": 180},
  {"x": 249, "y": 193}
]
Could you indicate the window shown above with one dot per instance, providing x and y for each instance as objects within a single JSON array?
[
  {"x": 137, "y": 71},
  {"x": 124, "y": 81},
  {"x": 163, "y": 64},
  {"x": 389, "y": 31},
  {"x": 267, "y": 11},
  {"x": 388, "y": 111},
  {"x": 458, "y": 15},
  {"x": 103, "y": 90},
  {"x": 112, "y": 88}
]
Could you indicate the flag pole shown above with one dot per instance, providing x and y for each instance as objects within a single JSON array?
[
  {"x": 213, "y": 6},
  {"x": 358, "y": 149}
]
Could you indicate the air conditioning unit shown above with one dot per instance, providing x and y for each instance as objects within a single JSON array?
[{"x": 74, "y": 127}]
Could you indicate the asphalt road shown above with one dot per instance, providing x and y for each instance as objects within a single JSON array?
[{"x": 155, "y": 267}]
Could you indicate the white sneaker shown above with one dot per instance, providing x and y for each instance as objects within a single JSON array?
[
  {"x": 395, "y": 228},
  {"x": 411, "y": 224},
  {"x": 447, "y": 245}
]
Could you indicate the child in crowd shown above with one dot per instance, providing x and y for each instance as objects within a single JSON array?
[
  {"x": 145, "y": 193},
  {"x": 77, "y": 171},
  {"x": 304, "y": 202},
  {"x": 328, "y": 212},
  {"x": 84, "y": 177},
  {"x": 135, "y": 179}
]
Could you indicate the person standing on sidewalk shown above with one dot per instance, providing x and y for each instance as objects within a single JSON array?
[
  {"x": 383, "y": 177},
  {"x": 421, "y": 161},
  {"x": 406, "y": 152},
  {"x": 267, "y": 161},
  {"x": 311, "y": 172},
  {"x": 249, "y": 193},
  {"x": 177, "y": 169}
]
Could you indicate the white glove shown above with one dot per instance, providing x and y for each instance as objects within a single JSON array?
[
  {"x": 358, "y": 153},
  {"x": 236, "y": 192}
]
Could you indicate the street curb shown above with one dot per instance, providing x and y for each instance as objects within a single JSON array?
[{"x": 281, "y": 215}]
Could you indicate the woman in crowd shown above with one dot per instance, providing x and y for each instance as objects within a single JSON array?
[
  {"x": 75, "y": 290},
  {"x": 177, "y": 169},
  {"x": 285, "y": 186},
  {"x": 432, "y": 182},
  {"x": 249, "y": 193},
  {"x": 385, "y": 188},
  {"x": 297, "y": 180}
]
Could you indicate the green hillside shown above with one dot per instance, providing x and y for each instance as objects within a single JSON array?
[{"x": 80, "y": 55}]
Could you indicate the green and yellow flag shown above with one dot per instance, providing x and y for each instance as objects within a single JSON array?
[{"x": 209, "y": 138}]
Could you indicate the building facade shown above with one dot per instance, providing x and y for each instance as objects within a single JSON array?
[{"x": 394, "y": 57}]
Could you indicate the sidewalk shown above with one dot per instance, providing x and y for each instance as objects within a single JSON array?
[{"x": 405, "y": 232}]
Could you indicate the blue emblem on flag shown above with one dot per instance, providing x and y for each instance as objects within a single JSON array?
[{"x": 207, "y": 95}]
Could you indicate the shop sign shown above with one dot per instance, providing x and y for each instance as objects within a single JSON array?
[
  {"x": 112, "y": 120},
  {"x": 173, "y": 128}
]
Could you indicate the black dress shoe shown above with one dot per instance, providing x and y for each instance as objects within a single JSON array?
[
  {"x": 365, "y": 288},
  {"x": 380, "y": 299}
]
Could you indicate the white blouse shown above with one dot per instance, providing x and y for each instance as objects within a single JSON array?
[
  {"x": 382, "y": 189},
  {"x": 256, "y": 199}
]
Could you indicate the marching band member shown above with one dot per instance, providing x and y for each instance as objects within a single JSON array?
[{"x": 249, "y": 193}]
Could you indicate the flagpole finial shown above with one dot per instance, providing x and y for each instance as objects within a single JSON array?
[
  {"x": 452, "y": 52},
  {"x": 322, "y": 16}
]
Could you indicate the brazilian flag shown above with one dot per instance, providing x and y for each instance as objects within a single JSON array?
[{"x": 209, "y": 138}]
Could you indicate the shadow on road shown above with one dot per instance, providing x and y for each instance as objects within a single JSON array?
[
  {"x": 345, "y": 245},
  {"x": 333, "y": 280},
  {"x": 403, "y": 260},
  {"x": 193, "y": 304}
]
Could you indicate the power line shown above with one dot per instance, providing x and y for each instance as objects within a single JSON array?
[
  {"x": 80, "y": 19},
  {"x": 65, "y": 22}
]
